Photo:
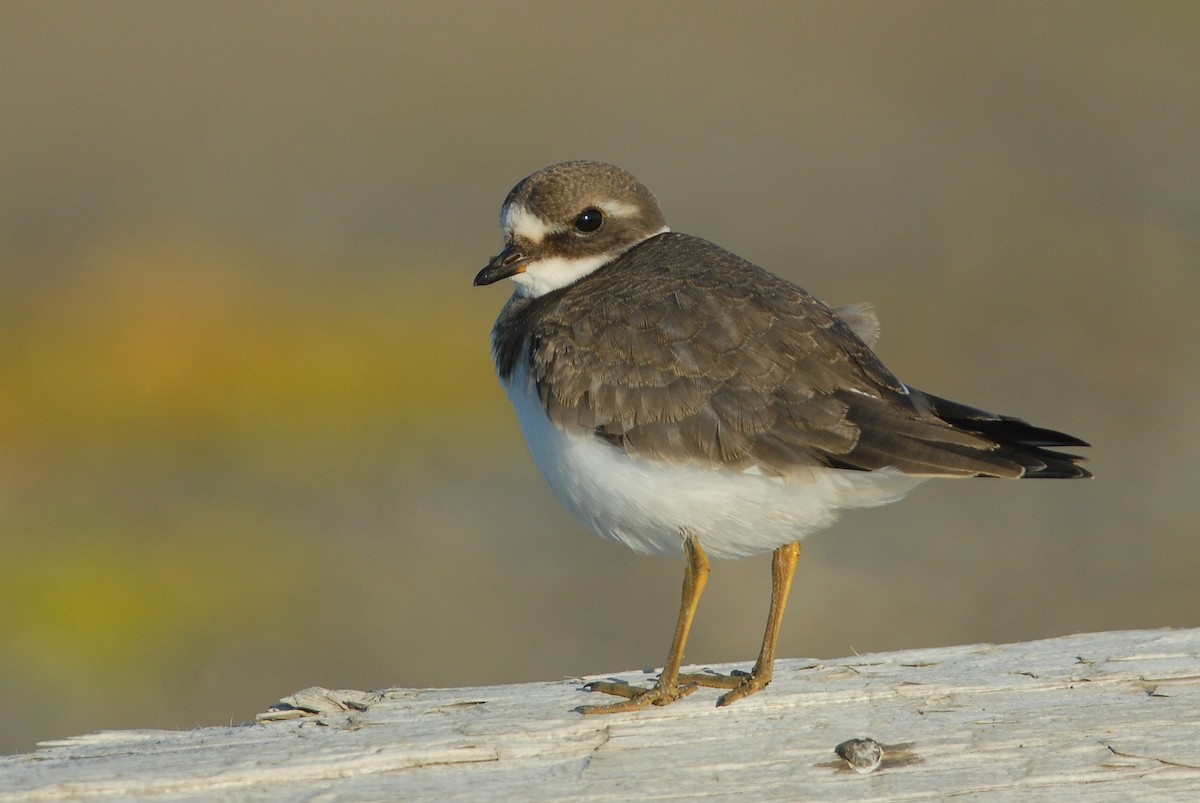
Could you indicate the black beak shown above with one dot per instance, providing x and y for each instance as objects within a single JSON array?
[{"x": 508, "y": 262}]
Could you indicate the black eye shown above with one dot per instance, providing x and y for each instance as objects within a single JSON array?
[{"x": 589, "y": 220}]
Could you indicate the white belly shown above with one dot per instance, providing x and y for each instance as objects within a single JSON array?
[{"x": 645, "y": 505}]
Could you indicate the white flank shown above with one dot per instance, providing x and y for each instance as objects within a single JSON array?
[{"x": 644, "y": 505}]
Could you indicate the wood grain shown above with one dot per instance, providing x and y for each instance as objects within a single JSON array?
[{"x": 1106, "y": 716}]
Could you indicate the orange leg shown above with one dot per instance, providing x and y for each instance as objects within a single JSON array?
[
  {"x": 668, "y": 688},
  {"x": 783, "y": 571}
]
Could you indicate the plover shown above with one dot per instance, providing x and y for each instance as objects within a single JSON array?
[{"x": 681, "y": 400}]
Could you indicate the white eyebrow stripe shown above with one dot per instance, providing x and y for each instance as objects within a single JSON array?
[{"x": 619, "y": 208}]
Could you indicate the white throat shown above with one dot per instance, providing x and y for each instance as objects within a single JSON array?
[{"x": 545, "y": 275}]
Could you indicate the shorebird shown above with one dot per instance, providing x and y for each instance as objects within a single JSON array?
[{"x": 679, "y": 399}]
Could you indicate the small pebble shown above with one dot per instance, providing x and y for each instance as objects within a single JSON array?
[{"x": 864, "y": 755}]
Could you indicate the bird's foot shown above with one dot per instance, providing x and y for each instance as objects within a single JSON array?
[
  {"x": 663, "y": 692},
  {"x": 740, "y": 684}
]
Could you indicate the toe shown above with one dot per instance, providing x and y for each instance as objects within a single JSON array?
[
  {"x": 617, "y": 688},
  {"x": 749, "y": 685},
  {"x": 658, "y": 694}
]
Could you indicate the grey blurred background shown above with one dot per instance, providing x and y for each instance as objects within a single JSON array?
[{"x": 250, "y": 437}]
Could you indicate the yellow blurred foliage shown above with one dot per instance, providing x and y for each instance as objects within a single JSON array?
[
  {"x": 153, "y": 341},
  {"x": 116, "y": 604},
  {"x": 166, "y": 409}
]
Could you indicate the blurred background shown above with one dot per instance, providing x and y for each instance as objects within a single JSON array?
[{"x": 250, "y": 435}]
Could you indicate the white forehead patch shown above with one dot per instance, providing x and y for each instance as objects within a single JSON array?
[{"x": 517, "y": 221}]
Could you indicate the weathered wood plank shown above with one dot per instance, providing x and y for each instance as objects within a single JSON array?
[{"x": 1102, "y": 716}]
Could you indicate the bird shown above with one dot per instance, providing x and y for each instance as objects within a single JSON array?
[{"x": 680, "y": 400}]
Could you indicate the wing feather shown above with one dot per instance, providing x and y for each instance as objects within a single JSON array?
[{"x": 681, "y": 351}]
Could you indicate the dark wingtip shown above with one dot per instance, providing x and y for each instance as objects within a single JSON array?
[
  {"x": 1037, "y": 436},
  {"x": 1018, "y": 441}
]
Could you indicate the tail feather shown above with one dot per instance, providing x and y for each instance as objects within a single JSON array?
[{"x": 1016, "y": 440}]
